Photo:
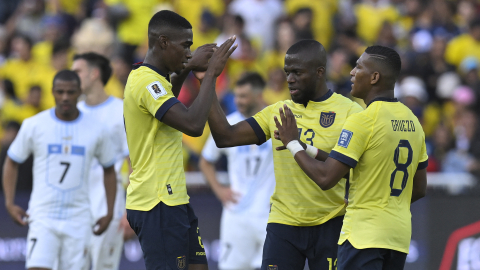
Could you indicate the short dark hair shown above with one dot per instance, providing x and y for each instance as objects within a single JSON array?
[
  {"x": 67, "y": 75},
  {"x": 387, "y": 57},
  {"x": 98, "y": 61},
  {"x": 12, "y": 125},
  {"x": 61, "y": 45},
  {"x": 252, "y": 78},
  {"x": 312, "y": 46},
  {"x": 166, "y": 19}
]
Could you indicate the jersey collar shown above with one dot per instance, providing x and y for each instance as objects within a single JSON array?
[
  {"x": 383, "y": 99},
  {"x": 324, "y": 97},
  {"x": 140, "y": 64}
]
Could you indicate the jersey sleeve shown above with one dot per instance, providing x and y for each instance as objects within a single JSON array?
[
  {"x": 105, "y": 150},
  {"x": 157, "y": 98},
  {"x": 260, "y": 124},
  {"x": 353, "y": 139},
  {"x": 355, "y": 108},
  {"x": 22, "y": 146},
  {"x": 423, "y": 161},
  {"x": 210, "y": 151}
]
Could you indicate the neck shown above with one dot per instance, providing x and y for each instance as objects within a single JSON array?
[
  {"x": 322, "y": 89},
  {"x": 67, "y": 116},
  {"x": 156, "y": 61},
  {"x": 95, "y": 95},
  {"x": 375, "y": 93}
]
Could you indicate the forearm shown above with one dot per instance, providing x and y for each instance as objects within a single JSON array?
[
  {"x": 314, "y": 169},
  {"x": 208, "y": 170},
  {"x": 218, "y": 123},
  {"x": 110, "y": 183},
  {"x": 10, "y": 173},
  {"x": 177, "y": 80},
  {"x": 200, "y": 108}
]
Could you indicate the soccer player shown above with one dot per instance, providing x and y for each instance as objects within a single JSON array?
[
  {"x": 94, "y": 71},
  {"x": 250, "y": 171},
  {"x": 157, "y": 200},
  {"x": 385, "y": 146},
  {"x": 304, "y": 221},
  {"x": 64, "y": 141}
]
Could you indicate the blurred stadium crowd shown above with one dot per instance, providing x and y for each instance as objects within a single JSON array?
[{"x": 438, "y": 40}]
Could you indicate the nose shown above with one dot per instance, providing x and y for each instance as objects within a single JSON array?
[
  {"x": 352, "y": 72},
  {"x": 189, "y": 54},
  {"x": 290, "y": 78}
]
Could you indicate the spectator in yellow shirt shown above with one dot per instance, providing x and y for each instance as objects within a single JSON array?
[
  {"x": 21, "y": 69},
  {"x": 464, "y": 45},
  {"x": 15, "y": 111},
  {"x": 371, "y": 14}
]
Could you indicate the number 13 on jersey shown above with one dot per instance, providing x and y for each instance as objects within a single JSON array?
[{"x": 64, "y": 169}]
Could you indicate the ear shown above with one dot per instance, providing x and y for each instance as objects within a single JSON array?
[
  {"x": 321, "y": 72},
  {"x": 375, "y": 77},
  {"x": 95, "y": 73},
  {"x": 162, "y": 42}
]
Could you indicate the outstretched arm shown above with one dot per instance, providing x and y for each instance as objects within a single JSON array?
[
  {"x": 191, "y": 121},
  {"x": 325, "y": 174},
  {"x": 226, "y": 135}
]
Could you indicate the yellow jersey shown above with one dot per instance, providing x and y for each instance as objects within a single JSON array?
[
  {"x": 155, "y": 148},
  {"x": 370, "y": 18},
  {"x": 385, "y": 146},
  {"x": 297, "y": 200},
  {"x": 461, "y": 47}
]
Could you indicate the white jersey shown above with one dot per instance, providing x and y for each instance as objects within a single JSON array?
[
  {"x": 62, "y": 152},
  {"x": 250, "y": 172},
  {"x": 110, "y": 114}
]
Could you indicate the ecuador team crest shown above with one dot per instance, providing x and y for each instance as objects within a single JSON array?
[
  {"x": 327, "y": 119},
  {"x": 181, "y": 262},
  {"x": 272, "y": 267}
]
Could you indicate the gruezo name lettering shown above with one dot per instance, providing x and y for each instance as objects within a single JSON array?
[{"x": 403, "y": 125}]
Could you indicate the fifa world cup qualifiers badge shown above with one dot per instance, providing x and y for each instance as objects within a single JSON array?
[
  {"x": 272, "y": 267},
  {"x": 169, "y": 189},
  {"x": 327, "y": 119},
  {"x": 156, "y": 90}
]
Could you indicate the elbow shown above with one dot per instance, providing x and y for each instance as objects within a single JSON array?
[
  {"x": 324, "y": 186},
  {"x": 195, "y": 131},
  {"x": 325, "y": 183},
  {"x": 221, "y": 144}
]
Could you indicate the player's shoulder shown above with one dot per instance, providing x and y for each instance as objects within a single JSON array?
[
  {"x": 40, "y": 118},
  {"x": 343, "y": 100}
]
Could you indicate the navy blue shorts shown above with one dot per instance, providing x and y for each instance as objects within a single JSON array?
[
  {"x": 369, "y": 259},
  {"x": 287, "y": 247},
  {"x": 169, "y": 236}
]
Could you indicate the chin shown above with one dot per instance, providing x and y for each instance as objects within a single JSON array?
[{"x": 299, "y": 99}]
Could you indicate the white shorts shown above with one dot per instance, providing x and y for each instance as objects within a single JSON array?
[
  {"x": 105, "y": 250},
  {"x": 241, "y": 240},
  {"x": 57, "y": 244}
]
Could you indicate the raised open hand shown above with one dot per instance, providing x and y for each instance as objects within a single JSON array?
[
  {"x": 202, "y": 54},
  {"x": 220, "y": 57},
  {"x": 287, "y": 130}
]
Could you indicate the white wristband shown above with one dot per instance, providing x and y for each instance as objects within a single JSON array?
[
  {"x": 311, "y": 150},
  {"x": 294, "y": 146}
]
